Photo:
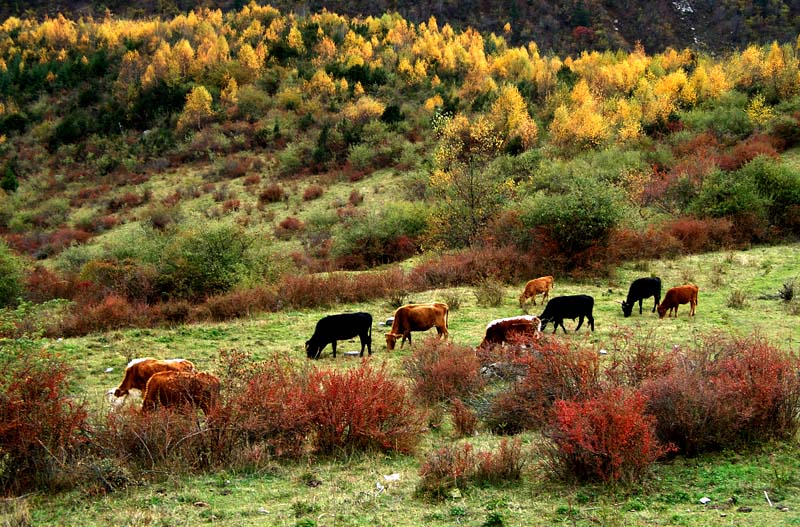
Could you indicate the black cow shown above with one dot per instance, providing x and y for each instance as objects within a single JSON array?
[
  {"x": 640, "y": 289},
  {"x": 340, "y": 327},
  {"x": 572, "y": 307}
]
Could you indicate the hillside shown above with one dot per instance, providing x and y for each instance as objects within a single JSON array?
[
  {"x": 560, "y": 27},
  {"x": 171, "y": 162}
]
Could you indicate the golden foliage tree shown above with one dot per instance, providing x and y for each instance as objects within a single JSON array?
[
  {"x": 510, "y": 117},
  {"x": 467, "y": 193},
  {"x": 197, "y": 109}
]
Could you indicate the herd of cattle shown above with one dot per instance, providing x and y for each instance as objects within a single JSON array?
[{"x": 176, "y": 382}]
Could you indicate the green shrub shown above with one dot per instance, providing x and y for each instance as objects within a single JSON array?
[
  {"x": 779, "y": 186},
  {"x": 11, "y": 276},
  {"x": 729, "y": 194},
  {"x": 579, "y": 218},
  {"x": 383, "y": 236},
  {"x": 727, "y": 117},
  {"x": 204, "y": 260}
]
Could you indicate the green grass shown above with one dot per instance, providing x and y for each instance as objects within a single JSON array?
[{"x": 347, "y": 495}]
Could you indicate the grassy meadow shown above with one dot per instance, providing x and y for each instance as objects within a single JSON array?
[{"x": 345, "y": 492}]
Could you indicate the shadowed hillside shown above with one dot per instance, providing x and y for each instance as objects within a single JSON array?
[{"x": 562, "y": 27}]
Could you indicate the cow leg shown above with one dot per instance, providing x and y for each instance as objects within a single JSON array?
[
  {"x": 580, "y": 323},
  {"x": 591, "y": 321},
  {"x": 333, "y": 345},
  {"x": 640, "y": 306},
  {"x": 562, "y": 326},
  {"x": 656, "y": 304}
]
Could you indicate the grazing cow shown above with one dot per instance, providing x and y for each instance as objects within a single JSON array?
[
  {"x": 139, "y": 371},
  {"x": 508, "y": 329},
  {"x": 541, "y": 285},
  {"x": 177, "y": 389},
  {"x": 340, "y": 327},
  {"x": 572, "y": 307},
  {"x": 683, "y": 294},
  {"x": 417, "y": 317},
  {"x": 640, "y": 289}
]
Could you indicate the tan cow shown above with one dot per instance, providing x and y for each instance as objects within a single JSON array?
[
  {"x": 541, "y": 285},
  {"x": 417, "y": 317},
  {"x": 683, "y": 294},
  {"x": 139, "y": 371},
  {"x": 180, "y": 389}
]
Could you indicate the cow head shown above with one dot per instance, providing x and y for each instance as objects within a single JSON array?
[
  {"x": 662, "y": 310},
  {"x": 627, "y": 308},
  {"x": 312, "y": 349},
  {"x": 391, "y": 340}
]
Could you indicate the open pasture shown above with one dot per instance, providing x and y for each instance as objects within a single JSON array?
[{"x": 354, "y": 492}]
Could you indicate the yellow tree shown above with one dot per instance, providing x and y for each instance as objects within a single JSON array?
[
  {"x": 468, "y": 194},
  {"x": 510, "y": 117},
  {"x": 197, "y": 109},
  {"x": 582, "y": 124}
]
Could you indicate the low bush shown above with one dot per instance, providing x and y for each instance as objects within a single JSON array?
[
  {"x": 306, "y": 291},
  {"x": 459, "y": 466},
  {"x": 501, "y": 467},
  {"x": 113, "y": 312},
  {"x": 312, "y": 192},
  {"x": 637, "y": 361},
  {"x": 701, "y": 235},
  {"x": 362, "y": 409},
  {"x": 446, "y": 469},
  {"x": 273, "y": 410},
  {"x": 42, "y": 429},
  {"x": 127, "y": 279},
  {"x": 465, "y": 422},
  {"x": 440, "y": 370},
  {"x": 726, "y": 393},
  {"x": 554, "y": 372},
  {"x": 489, "y": 292},
  {"x": 272, "y": 193},
  {"x": 604, "y": 438}
]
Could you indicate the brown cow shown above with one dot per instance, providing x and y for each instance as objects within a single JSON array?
[
  {"x": 417, "y": 317},
  {"x": 171, "y": 389},
  {"x": 683, "y": 294},
  {"x": 139, "y": 371},
  {"x": 508, "y": 329},
  {"x": 541, "y": 285}
]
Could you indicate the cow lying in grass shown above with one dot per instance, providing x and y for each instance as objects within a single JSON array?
[
  {"x": 526, "y": 328},
  {"x": 139, "y": 371}
]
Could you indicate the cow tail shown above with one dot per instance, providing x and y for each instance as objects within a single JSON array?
[{"x": 447, "y": 320}]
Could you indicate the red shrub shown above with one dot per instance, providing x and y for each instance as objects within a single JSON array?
[
  {"x": 172, "y": 312},
  {"x": 305, "y": 291},
  {"x": 605, "y": 438},
  {"x": 112, "y": 313},
  {"x": 632, "y": 367},
  {"x": 746, "y": 151},
  {"x": 626, "y": 244},
  {"x": 729, "y": 392},
  {"x": 234, "y": 167},
  {"x": 274, "y": 409},
  {"x": 465, "y": 422},
  {"x": 356, "y": 198},
  {"x": 312, "y": 192},
  {"x": 440, "y": 370},
  {"x": 457, "y": 466},
  {"x": 554, "y": 372},
  {"x": 41, "y": 426},
  {"x": 273, "y": 193},
  {"x": 130, "y": 280},
  {"x": 231, "y": 205},
  {"x": 288, "y": 227},
  {"x": 252, "y": 180},
  {"x": 42, "y": 285},
  {"x": 502, "y": 466},
  {"x": 362, "y": 409},
  {"x": 240, "y": 303},
  {"x": 446, "y": 469},
  {"x": 698, "y": 235},
  {"x": 127, "y": 201}
]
